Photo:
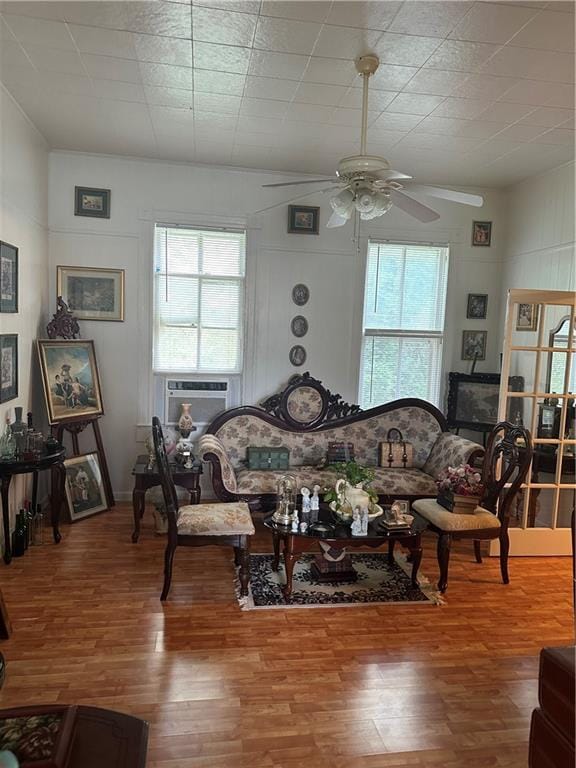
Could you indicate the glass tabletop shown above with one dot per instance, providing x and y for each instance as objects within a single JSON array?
[{"x": 331, "y": 527}]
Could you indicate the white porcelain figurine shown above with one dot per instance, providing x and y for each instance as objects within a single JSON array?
[
  {"x": 305, "y": 493},
  {"x": 364, "y": 520},
  {"x": 356, "y": 527},
  {"x": 295, "y": 521}
]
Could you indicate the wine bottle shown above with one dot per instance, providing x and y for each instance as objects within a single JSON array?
[{"x": 19, "y": 536}]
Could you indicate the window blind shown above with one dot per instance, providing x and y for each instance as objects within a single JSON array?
[
  {"x": 404, "y": 308},
  {"x": 198, "y": 299}
]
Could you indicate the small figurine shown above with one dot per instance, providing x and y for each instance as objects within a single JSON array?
[
  {"x": 303, "y": 527},
  {"x": 314, "y": 504},
  {"x": 364, "y": 520},
  {"x": 356, "y": 528},
  {"x": 305, "y": 493},
  {"x": 295, "y": 521}
]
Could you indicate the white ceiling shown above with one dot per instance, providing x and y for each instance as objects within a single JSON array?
[{"x": 467, "y": 93}]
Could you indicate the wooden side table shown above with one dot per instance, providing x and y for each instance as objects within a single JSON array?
[{"x": 145, "y": 478}]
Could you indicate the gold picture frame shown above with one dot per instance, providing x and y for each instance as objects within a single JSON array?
[
  {"x": 70, "y": 379},
  {"x": 92, "y": 293},
  {"x": 85, "y": 492}
]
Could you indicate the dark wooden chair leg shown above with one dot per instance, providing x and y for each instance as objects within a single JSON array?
[
  {"x": 504, "y": 549},
  {"x": 168, "y": 562},
  {"x": 244, "y": 565},
  {"x": 443, "y": 552},
  {"x": 478, "y": 550},
  {"x": 237, "y": 556}
]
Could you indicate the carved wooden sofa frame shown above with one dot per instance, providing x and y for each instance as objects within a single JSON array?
[{"x": 305, "y": 407}]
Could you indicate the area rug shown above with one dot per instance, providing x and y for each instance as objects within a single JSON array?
[{"x": 378, "y": 582}]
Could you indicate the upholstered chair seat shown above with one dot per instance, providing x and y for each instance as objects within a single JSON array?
[
  {"x": 452, "y": 521},
  {"x": 232, "y": 519}
]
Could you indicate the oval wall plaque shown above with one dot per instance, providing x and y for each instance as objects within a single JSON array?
[
  {"x": 297, "y": 355},
  {"x": 300, "y": 294},
  {"x": 299, "y": 326}
]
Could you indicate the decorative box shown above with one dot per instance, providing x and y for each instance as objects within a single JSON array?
[
  {"x": 458, "y": 503},
  {"x": 340, "y": 452},
  {"x": 268, "y": 458}
]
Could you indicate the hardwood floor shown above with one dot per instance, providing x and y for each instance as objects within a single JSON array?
[{"x": 368, "y": 687}]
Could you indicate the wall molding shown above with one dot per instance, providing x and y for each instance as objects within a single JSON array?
[{"x": 568, "y": 245}]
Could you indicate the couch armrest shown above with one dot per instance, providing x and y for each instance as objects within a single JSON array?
[
  {"x": 449, "y": 451},
  {"x": 211, "y": 449}
]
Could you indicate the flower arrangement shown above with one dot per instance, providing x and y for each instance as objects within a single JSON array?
[
  {"x": 355, "y": 475},
  {"x": 463, "y": 480}
]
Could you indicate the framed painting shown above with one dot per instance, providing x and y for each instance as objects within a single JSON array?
[
  {"x": 482, "y": 233},
  {"x": 8, "y": 277},
  {"x": 477, "y": 307},
  {"x": 8, "y": 367},
  {"x": 474, "y": 345},
  {"x": 527, "y": 317},
  {"x": 93, "y": 202},
  {"x": 71, "y": 380},
  {"x": 84, "y": 488},
  {"x": 303, "y": 219},
  {"x": 92, "y": 293},
  {"x": 473, "y": 400}
]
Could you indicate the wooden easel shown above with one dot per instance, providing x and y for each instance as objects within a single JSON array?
[{"x": 65, "y": 326}]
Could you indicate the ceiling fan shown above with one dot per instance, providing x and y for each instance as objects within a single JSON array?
[{"x": 367, "y": 185}]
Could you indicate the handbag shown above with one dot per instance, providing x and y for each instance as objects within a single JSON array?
[{"x": 395, "y": 454}]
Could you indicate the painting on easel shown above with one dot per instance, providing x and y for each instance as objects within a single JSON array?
[{"x": 70, "y": 378}]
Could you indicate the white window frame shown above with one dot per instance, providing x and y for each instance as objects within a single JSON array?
[
  {"x": 435, "y": 389},
  {"x": 201, "y": 277}
]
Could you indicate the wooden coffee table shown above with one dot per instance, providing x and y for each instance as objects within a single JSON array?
[{"x": 294, "y": 544}]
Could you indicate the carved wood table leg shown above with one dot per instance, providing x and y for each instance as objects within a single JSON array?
[
  {"x": 276, "y": 544},
  {"x": 290, "y": 557},
  {"x": 6, "y": 519},
  {"x": 478, "y": 550},
  {"x": 34, "y": 491},
  {"x": 391, "y": 552},
  {"x": 443, "y": 552},
  {"x": 244, "y": 574},
  {"x": 416, "y": 557}
]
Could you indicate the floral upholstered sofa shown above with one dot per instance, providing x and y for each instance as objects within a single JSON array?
[{"x": 305, "y": 417}]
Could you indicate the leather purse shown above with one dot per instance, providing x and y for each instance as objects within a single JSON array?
[{"x": 395, "y": 453}]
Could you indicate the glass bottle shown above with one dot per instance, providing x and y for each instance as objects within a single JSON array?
[
  {"x": 38, "y": 534},
  {"x": 19, "y": 431},
  {"x": 19, "y": 537},
  {"x": 7, "y": 443}
]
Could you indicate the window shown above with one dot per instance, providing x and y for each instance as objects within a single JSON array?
[
  {"x": 198, "y": 299},
  {"x": 404, "y": 304}
]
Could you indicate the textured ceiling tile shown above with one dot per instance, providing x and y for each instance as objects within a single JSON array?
[
  {"x": 168, "y": 97},
  {"x": 55, "y": 60},
  {"x": 285, "y": 36},
  {"x": 38, "y": 10},
  {"x": 164, "y": 50},
  {"x": 301, "y": 11},
  {"x": 492, "y": 23},
  {"x": 313, "y": 93},
  {"x": 263, "y": 108},
  {"x": 345, "y": 43},
  {"x": 215, "y": 103},
  {"x": 156, "y": 18},
  {"x": 241, "y": 6},
  {"x": 444, "y": 126},
  {"x": 415, "y": 104},
  {"x": 258, "y": 125},
  {"x": 547, "y": 117},
  {"x": 378, "y": 100},
  {"x": 521, "y": 132},
  {"x": 219, "y": 82},
  {"x": 538, "y": 65},
  {"x": 111, "y": 68},
  {"x": 104, "y": 42},
  {"x": 351, "y": 117},
  {"x": 52, "y": 34},
  {"x": 166, "y": 75},
  {"x": 484, "y": 87},
  {"x": 478, "y": 129},
  {"x": 436, "y": 82},
  {"x": 290, "y": 66},
  {"x": 391, "y": 77},
  {"x": 436, "y": 19},
  {"x": 466, "y": 109},
  {"x": 213, "y": 26},
  {"x": 309, "y": 113},
  {"x": 224, "y": 58},
  {"x": 396, "y": 122},
  {"x": 362, "y": 14},
  {"x": 505, "y": 112},
  {"x": 114, "y": 89},
  {"x": 558, "y": 136},
  {"x": 270, "y": 88},
  {"x": 540, "y": 94},
  {"x": 461, "y": 56},
  {"x": 408, "y": 50},
  {"x": 547, "y": 30},
  {"x": 330, "y": 71}
]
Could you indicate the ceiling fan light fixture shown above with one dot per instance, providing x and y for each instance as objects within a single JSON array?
[{"x": 343, "y": 203}]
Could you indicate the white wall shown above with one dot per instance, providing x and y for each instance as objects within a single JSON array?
[
  {"x": 145, "y": 191},
  {"x": 23, "y": 223}
]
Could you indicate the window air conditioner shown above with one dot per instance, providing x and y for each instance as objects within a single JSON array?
[{"x": 207, "y": 398}]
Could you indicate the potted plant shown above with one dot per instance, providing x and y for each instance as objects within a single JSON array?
[{"x": 460, "y": 489}]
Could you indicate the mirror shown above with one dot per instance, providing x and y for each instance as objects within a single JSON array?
[
  {"x": 304, "y": 405},
  {"x": 557, "y": 360}
]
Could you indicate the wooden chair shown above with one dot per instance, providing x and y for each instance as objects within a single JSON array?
[
  {"x": 200, "y": 525},
  {"x": 490, "y": 519}
]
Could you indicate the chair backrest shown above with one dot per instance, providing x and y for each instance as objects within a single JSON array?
[
  {"x": 506, "y": 463},
  {"x": 163, "y": 467}
]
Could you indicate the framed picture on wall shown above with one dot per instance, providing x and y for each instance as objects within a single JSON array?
[
  {"x": 8, "y": 278},
  {"x": 70, "y": 378},
  {"x": 303, "y": 219},
  {"x": 92, "y": 293},
  {"x": 527, "y": 317},
  {"x": 8, "y": 367},
  {"x": 482, "y": 233},
  {"x": 90, "y": 201},
  {"x": 474, "y": 345},
  {"x": 477, "y": 307},
  {"x": 84, "y": 488}
]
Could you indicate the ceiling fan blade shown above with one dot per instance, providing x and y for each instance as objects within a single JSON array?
[
  {"x": 292, "y": 200},
  {"x": 336, "y": 221},
  {"x": 306, "y": 181},
  {"x": 391, "y": 175},
  {"x": 413, "y": 207},
  {"x": 446, "y": 194}
]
